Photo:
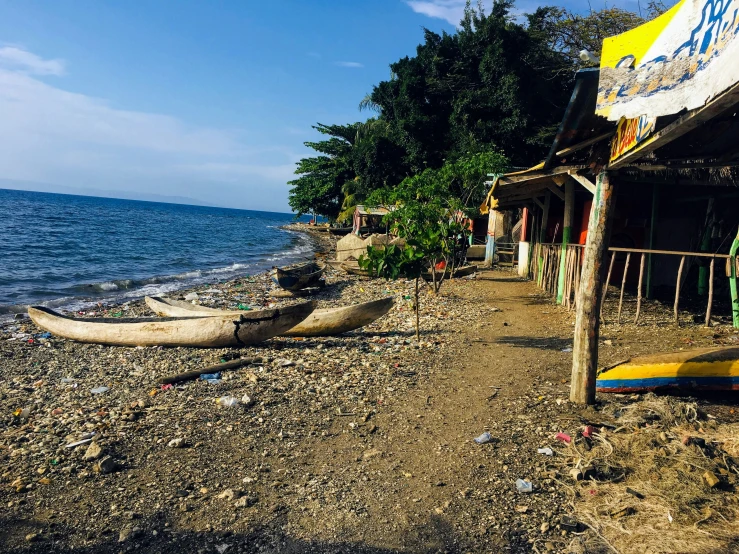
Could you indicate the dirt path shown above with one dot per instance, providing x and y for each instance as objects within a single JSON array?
[{"x": 419, "y": 482}]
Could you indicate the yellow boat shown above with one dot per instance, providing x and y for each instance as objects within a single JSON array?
[{"x": 700, "y": 369}]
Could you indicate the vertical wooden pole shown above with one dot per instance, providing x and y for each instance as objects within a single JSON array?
[
  {"x": 545, "y": 217},
  {"x": 566, "y": 232},
  {"x": 677, "y": 288},
  {"x": 710, "y": 293},
  {"x": 578, "y": 274},
  {"x": 623, "y": 287},
  {"x": 705, "y": 246},
  {"x": 652, "y": 232},
  {"x": 732, "y": 282},
  {"x": 587, "y": 322},
  {"x": 639, "y": 287},
  {"x": 608, "y": 282}
]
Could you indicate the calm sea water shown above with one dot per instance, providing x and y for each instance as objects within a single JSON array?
[{"x": 68, "y": 251}]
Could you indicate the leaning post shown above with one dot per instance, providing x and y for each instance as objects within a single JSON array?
[
  {"x": 587, "y": 322},
  {"x": 566, "y": 233}
]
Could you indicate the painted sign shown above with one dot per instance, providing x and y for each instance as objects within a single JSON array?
[
  {"x": 631, "y": 132},
  {"x": 680, "y": 60}
]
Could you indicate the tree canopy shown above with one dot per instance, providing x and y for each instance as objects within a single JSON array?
[{"x": 490, "y": 94}]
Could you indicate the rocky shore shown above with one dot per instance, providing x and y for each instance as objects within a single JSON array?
[{"x": 357, "y": 443}]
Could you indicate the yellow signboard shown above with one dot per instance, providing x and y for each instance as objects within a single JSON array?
[
  {"x": 631, "y": 132},
  {"x": 680, "y": 60}
]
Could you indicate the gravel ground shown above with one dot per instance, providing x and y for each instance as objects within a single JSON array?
[{"x": 358, "y": 443}]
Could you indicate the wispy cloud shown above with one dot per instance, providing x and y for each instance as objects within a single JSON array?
[
  {"x": 54, "y": 136},
  {"x": 12, "y": 57},
  {"x": 349, "y": 64},
  {"x": 448, "y": 10}
]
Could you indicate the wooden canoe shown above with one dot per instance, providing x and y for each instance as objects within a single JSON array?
[
  {"x": 321, "y": 323},
  {"x": 239, "y": 329},
  {"x": 458, "y": 272},
  {"x": 354, "y": 269},
  {"x": 704, "y": 368},
  {"x": 299, "y": 277}
]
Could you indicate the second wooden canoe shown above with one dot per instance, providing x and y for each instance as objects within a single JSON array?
[
  {"x": 221, "y": 331},
  {"x": 700, "y": 369},
  {"x": 299, "y": 277},
  {"x": 321, "y": 323}
]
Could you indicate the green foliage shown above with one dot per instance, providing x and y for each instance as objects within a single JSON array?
[{"x": 391, "y": 262}]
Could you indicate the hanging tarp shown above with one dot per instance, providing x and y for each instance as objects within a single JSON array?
[{"x": 680, "y": 60}]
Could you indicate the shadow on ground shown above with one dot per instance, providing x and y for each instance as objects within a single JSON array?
[
  {"x": 436, "y": 535},
  {"x": 546, "y": 343}
]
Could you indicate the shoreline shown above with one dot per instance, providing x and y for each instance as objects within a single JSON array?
[{"x": 321, "y": 243}]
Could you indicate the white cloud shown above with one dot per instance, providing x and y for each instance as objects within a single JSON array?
[
  {"x": 349, "y": 64},
  {"x": 448, "y": 10},
  {"x": 53, "y": 136},
  {"x": 12, "y": 57}
]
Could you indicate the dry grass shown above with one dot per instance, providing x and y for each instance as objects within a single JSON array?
[{"x": 646, "y": 453}]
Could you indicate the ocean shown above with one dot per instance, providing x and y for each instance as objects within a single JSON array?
[{"x": 69, "y": 251}]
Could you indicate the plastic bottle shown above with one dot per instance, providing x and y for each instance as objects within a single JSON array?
[
  {"x": 228, "y": 401},
  {"x": 524, "y": 486}
]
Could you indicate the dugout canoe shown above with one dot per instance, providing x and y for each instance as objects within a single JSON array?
[
  {"x": 320, "y": 323},
  {"x": 462, "y": 271},
  {"x": 299, "y": 276},
  {"x": 700, "y": 369},
  {"x": 220, "y": 331}
]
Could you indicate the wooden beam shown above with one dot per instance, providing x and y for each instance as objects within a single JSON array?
[
  {"x": 556, "y": 192},
  {"x": 590, "y": 187},
  {"x": 584, "y": 144},
  {"x": 541, "y": 174},
  {"x": 587, "y": 322},
  {"x": 681, "y": 126},
  {"x": 538, "y": 202}
]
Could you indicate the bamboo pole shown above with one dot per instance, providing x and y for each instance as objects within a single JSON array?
[
  {"x": 568, "y": 274},
  {"x": 710, "y": 293},
  {"x": 608, "y": 282},
  {"x": 578, "y": 273},
  {"x": 638, "y": 293},
  {"x": 677, "y": 289},
  {"x": 566, "y": 235},
  {"x": 573, "y": 267},
  {"x": 623, "y": 287},
  {"x": 587, "y": 323}
]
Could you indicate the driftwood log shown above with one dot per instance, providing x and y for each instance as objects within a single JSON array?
[{"x": 195, "y": 373}]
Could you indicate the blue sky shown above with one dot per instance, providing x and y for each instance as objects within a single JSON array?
[{"x": 207, "y": 100}]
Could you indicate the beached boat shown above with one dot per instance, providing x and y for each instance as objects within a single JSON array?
[
  {"x": 462, "y": 271},
  {"x": 320, "y": 323},
  {"x": 340, "y": 231},
  {"x": 299, "y": 276},
  {"x": 705, "y": 368},
  {"x": 354, "y": 269},
  {"x": 239, "y": 329}
]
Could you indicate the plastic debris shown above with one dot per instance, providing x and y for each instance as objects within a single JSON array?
[
  {"x": 100, "y": 390},
  {"x": 568, "y": 349},
  {"x": 243, "y": 307},
  {"x": 546, "y": 451},
  {"x": 524, "y": 486},
  {"x": 588, "y": 432},
  {"x": 79, "y": 442},
  {"x": 167, "y": 386},
  {"x": 22, "y": 413},
  {"x": 564, "y": 437},
  {"x": 191, "y": 296},
  {"x": 210, "y": 376},
  {"x": 228, "y": 401},
  {"x": 484, "y": 438}
]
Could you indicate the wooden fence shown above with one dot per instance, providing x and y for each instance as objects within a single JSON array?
[{"x": 546, "y": 265}]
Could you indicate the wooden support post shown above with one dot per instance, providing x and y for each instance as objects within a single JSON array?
[
  {"x": 545, "y": 218},
  {"x": 705, "y": 247},
  {"x": 587, "y": 322},
  {"x": 566, "y": 232},
  {"x": 578, "y": 274},
  {"x": 608, "y": 282},
  {"x": 652, "y": 231},
  {"x": 623, "y": 287},
  {"x": 710, "y": 292},
  {"x": 732, "y": 282},
  {"x": 677, "y": 289},
  {"x": 639, "y": 287}
]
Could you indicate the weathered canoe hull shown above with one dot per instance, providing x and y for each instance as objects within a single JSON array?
[
  {"x": 700, "y": 369},
  {"x": 213, "y": 332},
  {"x": 300, "y": 277},
  {"x": 320, "y": 323}
]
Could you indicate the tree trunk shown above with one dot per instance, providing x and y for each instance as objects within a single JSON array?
[
  {"x": 418, "y": 334},
  {"x": 587, "y": 323}
]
